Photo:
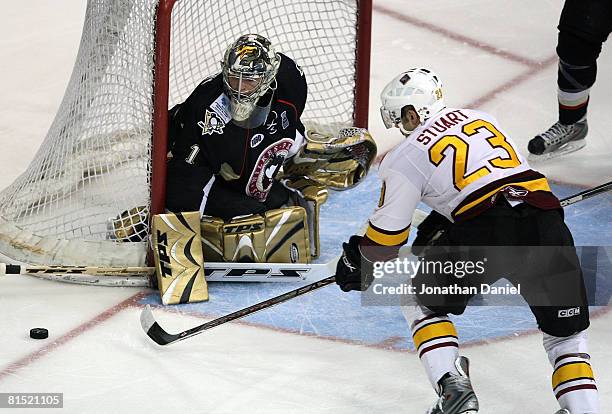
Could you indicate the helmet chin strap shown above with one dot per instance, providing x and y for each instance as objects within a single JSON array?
[{"x": 258, "y": 114}]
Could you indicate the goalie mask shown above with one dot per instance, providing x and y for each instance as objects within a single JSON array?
[
  {"x": 417, "y": 87},
  {"x": 249, "y": 68}
]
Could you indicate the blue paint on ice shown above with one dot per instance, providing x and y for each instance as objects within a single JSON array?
[{"x": 330, "y": 312}]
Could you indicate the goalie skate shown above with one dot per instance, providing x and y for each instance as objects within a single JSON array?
[
  {"x": 558, "y": 140},
  {"x": 456, "y": 393}
]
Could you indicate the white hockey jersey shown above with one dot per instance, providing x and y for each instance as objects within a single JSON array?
[{"x": 457, "y": 163}]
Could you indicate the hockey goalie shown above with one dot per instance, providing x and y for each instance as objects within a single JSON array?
[{"x": 240, "y": 156}]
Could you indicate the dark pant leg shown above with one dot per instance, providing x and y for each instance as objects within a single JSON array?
[
  {"x": 480, "y": 240},
  {"x": 589, "y": 19},
  {"x": 583, "y": 27},
  {"x": 553, "y": 283}
]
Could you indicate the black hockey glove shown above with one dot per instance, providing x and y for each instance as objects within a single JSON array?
[
  {"x": 353, "y": 272},
  {"x": 430, "y": 230}
]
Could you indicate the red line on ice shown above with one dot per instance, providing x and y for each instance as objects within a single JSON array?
[
  {"x": 533, "y": 66},
  {"x": 458, "y": 37},
  {"x": 74, "y": 333}
]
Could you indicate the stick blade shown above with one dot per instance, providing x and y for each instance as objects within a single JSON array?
[{"x": 153, "y": 329}]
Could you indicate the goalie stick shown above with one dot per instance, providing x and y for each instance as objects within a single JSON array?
[
  {"x": 158, "y": 334},
  {"x": 214, "y": 271},
  {"x": 103, "y": 280}
]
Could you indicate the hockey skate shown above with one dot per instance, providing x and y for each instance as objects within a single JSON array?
[
  {"x": 558, "y": 140},
  {"x": 563, "y": 411},
  {"x": 456, "y": 393}
]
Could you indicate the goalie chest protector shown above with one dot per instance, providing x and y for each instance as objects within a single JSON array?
[{"x": 203, "y": 134}]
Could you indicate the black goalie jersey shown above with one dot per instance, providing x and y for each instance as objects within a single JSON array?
[{"x": 213, "y": 157}]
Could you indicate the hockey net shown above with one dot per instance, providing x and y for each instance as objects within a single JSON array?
[{"x": 104, "y": 154}]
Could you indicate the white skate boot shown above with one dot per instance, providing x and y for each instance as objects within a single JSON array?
[
  {"x": 559, "y": 139},
  {"x": 456, "y": 393}
]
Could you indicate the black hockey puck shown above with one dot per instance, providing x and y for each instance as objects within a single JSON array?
[{"x": 39, "y": 333}]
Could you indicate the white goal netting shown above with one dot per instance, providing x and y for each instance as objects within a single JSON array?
[{"x": 95, "y": 161}]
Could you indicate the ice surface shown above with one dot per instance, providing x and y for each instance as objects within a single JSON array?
[{"x": 324, "y": 352}]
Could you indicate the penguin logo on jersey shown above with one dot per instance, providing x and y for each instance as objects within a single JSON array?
[
  {"x": 269, "y": 162},
  {"x": 212, "y": 124}
]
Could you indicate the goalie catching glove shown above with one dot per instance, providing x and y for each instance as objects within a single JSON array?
[{"x": 338, "y": 158}]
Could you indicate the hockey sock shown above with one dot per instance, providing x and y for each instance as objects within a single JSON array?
[
  {"x": 573, "y": 381},
  {"x": 435, "y": 340},
  {"x": 572, "y": 106},
  {"x": 576, "y": 74}
]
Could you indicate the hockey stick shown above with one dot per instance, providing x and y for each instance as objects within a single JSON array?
[
  {"x": 583, "y": 195},
  {"x": 160, "y": 336},
  {"x": 103, "y": 280},
  {"x": 14, "y": 269}
]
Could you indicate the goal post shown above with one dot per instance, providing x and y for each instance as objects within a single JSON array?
[{"x": 105, "y": 152}]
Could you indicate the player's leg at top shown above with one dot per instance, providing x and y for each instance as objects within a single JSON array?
[{"x": 583, "y": 27}]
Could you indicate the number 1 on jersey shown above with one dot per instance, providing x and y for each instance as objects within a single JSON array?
[{"x": 195, "y": 149}]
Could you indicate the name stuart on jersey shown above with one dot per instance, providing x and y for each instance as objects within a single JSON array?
[{"x": 441, "y": 125}]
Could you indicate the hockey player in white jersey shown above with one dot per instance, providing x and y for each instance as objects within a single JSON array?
[{"x": 463, "y": 165}]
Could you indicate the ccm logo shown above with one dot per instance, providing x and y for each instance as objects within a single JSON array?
[{"x": 568, "y": 313}]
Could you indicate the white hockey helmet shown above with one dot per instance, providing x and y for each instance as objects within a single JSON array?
[{"x": 418, "y": 87}]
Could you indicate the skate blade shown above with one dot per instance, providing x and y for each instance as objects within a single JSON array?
[{"x": 565, "y": 149}]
